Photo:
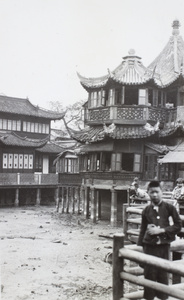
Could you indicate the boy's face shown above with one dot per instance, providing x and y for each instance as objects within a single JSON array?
[{"x": 155, "y": 194}]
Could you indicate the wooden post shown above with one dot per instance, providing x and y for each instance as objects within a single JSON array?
[
  {"x": 93, "y": 205},
  {"x": 128, "y": 196},
  {"x": 57, "y": 198},
  {"x": 125, "y": 225},
  {"x": 73, "y": 199},
  {"x": 113, "y": 207},
  {"x": 62, "y": 200},
  {"x": 38, "y": 196},
  {"x": 67, "y": 199},
  {"x": 78, "y": 199},
  {"x": 83, "y": 198},
  {"x": 86, "y": 202},
  {"x": 97, "y": 205},
  {"x": 176, "y": 256},
  {"x": 16, "y": 203},
  {"x": 117, "y": 265}
]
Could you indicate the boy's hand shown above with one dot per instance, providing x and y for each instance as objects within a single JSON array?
[{"x": 155, "y": 230}]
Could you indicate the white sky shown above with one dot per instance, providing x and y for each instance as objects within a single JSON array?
[{"x": 43, "y": 43}]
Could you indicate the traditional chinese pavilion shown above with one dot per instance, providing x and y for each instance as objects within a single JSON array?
[{"x": 134, "y": 115}]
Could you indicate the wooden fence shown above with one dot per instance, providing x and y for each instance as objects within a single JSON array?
[{"x": 120, "y": 274}]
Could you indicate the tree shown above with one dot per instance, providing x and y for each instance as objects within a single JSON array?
[{"x": 73, "y": 115}]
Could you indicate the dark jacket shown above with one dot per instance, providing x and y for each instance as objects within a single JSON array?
[{"x": 161, "y": 219}]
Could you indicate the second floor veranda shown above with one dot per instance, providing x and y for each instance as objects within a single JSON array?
[
  {"x": 131, "y": 114},
  {"x": 28, "y": 180}
]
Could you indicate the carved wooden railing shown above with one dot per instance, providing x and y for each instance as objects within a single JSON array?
[
  {"x": 9, "y": 179},
  {"x": 130, "y": 113}
]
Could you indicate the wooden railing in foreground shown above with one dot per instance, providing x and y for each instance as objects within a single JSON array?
[{"x": 120, "y": 274}]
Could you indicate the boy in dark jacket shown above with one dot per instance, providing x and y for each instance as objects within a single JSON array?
[{"x": 156, "y": 234}]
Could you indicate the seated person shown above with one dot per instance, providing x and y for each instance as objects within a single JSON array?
[
  {"x": 178, "y": 192},
  {"x": 136, "y": 192}
]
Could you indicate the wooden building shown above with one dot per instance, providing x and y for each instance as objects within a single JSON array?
[
  {"x": 27, "y": 174},
  {"x": 69, "y": 182},
  {"x": 134, "y": 115}
]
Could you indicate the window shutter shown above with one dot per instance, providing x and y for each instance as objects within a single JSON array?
[{"x": 137, "y": 162}]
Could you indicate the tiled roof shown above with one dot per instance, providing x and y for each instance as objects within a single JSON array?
[
  {"x": 164, "y": 70},
  {"x": 93, "y": 82},
  {"x": 130, "y": 71},
  {"x": 169, "y": 63},
  {"x": 157, "y": 147},
  {"x": 176, "y": 155},
  {"x": 24, "y": 107},
  {"x": 98, "y": 133},
  {"x": 50, "y": 148},
  {"x": 11, "y": 139}
]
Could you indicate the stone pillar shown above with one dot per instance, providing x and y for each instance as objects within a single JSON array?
[
  {"x": 38, "y": 196},
  {"x": 57, "y": 198},
  {"x": 93, "y": 205},
  {"x": 16, "y": 203},
  {"x": 113, "y": 207}
]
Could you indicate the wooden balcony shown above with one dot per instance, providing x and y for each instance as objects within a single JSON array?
[
  {"x": 129, "y": 114},
  {"x": 27, "y": 180},
  {"x": 109, "y": 175}
]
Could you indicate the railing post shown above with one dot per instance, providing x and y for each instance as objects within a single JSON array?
[{"x": 118, "y": 243}]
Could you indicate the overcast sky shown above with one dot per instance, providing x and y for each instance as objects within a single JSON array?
[{"x": 43, "y": 43}]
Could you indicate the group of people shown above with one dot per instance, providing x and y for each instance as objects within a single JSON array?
[{"x": 157, "y": 232}]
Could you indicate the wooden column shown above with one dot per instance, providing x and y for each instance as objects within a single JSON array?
[
  {"x": 98, "y": 216},
  {"x": 38, "y": 196},
  {"x": 67, "y": 200},
  {"x": 16, "y": 203},
  {"x": 83, "y": 198},
  {"x": 62, "y": 199},
  {"x": 86, "y": 202},
  {"x": 113, "y": 207},
  {"x": 57, "y": 198},
  {"x": 117, "y": 263},
  {"x": 73, "y": 199},
  {"x": 78, "y": 199},
  {"x": 93, "y": 205}
]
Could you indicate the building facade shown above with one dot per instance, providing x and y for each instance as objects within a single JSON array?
[
  {"x": 134, "y": 116},
  {"x": 27, "y": 173}
]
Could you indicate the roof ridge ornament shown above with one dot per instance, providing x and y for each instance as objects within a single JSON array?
[{"x": 175, "y": 25}]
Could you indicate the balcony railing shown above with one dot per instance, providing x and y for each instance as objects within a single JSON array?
[
  {"x": 130, "y": 114},
  {"x": 9, "y": 179},
  {"x": 109, "y": 175}
]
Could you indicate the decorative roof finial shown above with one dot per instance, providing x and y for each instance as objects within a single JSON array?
[
  {"x": 175, "y": 26},
  {"x": 131, "y": 52}
]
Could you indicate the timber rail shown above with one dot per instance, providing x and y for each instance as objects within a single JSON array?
[{"x": 120, "y": 274}]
